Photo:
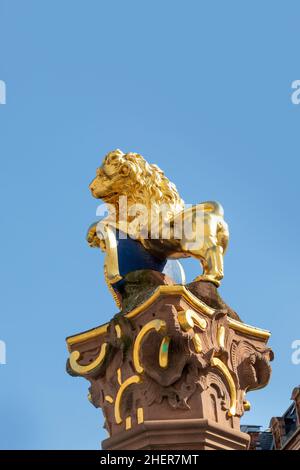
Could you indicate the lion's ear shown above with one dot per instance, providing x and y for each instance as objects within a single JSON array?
[{"x": 124, "y": 170}]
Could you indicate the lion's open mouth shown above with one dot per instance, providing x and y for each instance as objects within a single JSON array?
[{"x": 109, "y": 195}]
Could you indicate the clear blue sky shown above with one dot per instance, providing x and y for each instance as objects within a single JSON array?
[{"x": 200, "y": 88}]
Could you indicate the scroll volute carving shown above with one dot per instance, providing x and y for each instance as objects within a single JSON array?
[
  {"x": 251, "y": 364},
  {"x": 180, "y": 349}
]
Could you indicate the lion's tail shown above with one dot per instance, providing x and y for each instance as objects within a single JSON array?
[
  {"x": 223, "y": 232},
  {"x": 212, "y": 206}
]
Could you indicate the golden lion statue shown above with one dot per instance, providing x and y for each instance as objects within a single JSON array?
[{"x": 145, "y": 205}]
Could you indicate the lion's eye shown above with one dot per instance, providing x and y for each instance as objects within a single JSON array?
[{"x": 105, "y": 175}]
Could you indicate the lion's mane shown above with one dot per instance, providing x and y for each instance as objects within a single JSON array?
[{"x": 143, "y": 183}]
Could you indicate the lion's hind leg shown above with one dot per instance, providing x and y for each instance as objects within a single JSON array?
[{"x": 212, "y": 263}]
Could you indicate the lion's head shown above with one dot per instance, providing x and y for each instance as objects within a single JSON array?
[{"x": 131, "y": 176}]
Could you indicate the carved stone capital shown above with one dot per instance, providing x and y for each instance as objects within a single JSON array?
[{"x": 171, "y": 358}]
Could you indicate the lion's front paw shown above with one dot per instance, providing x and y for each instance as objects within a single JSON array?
[
  {"x": 93, "y": 240},
  {"x": 91, "y": 235}
]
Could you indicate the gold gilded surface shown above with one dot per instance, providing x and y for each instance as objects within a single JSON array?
[
  {"x": 111, "y": 260},
  {"x": 86, "y": 336},
  {"x": 158, "y": 325},
  {"x": 119, "y": 376},
  {"x": 216, "y": 362},
  {"x": 109, "y": 399},
  {"x": 187, "y": 320},
  {"x": 221, "y": 336},
  {"x": 197, "y": 343},
  {"x": 118, "y": 331},
  {"x": 247, "y": 405},
  {"x": 130, "y": 176},
  {"x": 128, "y": 423},
  {"x": 248, "y": 329},
  {"x": 164, "y": 352},
  {"x": 79, "y": 369},
  {"x": 140, "y": 415},
  {"x": 134, "y": 379}
]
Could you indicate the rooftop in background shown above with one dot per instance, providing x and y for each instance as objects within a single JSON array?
[
  {"x": 284, "y": 431},
  {"x": 250, "y": 428},
  {"x": 260, "y": 440}
]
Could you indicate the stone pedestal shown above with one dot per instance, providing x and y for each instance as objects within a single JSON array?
[
  {"x": 179, "y": 434},
  {"x": 172, "y": 373}
]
